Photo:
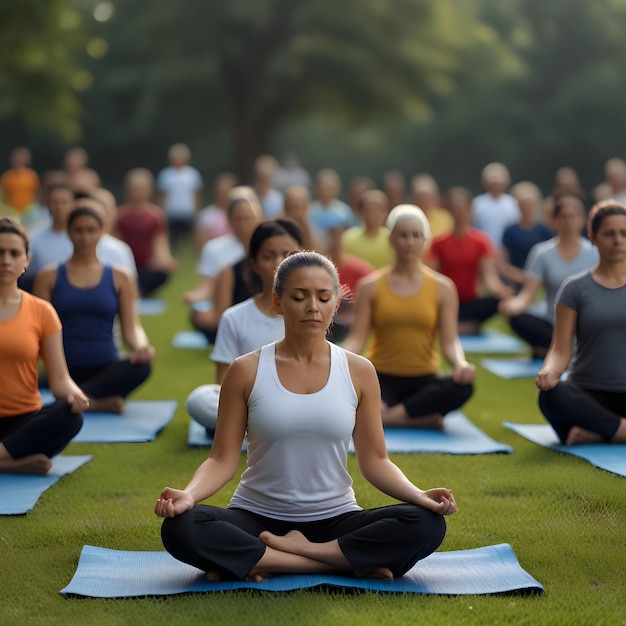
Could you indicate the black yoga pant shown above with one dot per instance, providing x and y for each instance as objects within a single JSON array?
[
  {"x": 210, "y": 332},
  {"x": 46, "y": 431},
  {"x": 569, "y": 405},
  {"x": 115, "y": 379},
  {"x": 226, "y": 540},
  {"x": 478, "y": 310},
  {"x": 535, "y": 331},
  {"x": 150, "y": 280},
  {"x": 424, "y": 395}
]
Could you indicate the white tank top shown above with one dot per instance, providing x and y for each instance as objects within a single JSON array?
[{"x": 298, "y": 445}]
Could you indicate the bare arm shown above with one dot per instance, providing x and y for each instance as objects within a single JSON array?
[
  {"x": 371, "y": 451},
  {"x": 560, "y": 351},
  {"x": 519, "y": 303},
  {"x": 489, "y": 277},
  {"x": 220, "y": 372},
  {"x": 61, "y": 384},
  {"x": 506, "y": 270},
  {"x": 222, "y": 299},
  {"x": 204, "y": 291},
  {"x": 44, "y": 283},
  {"x": 362, "y": 322},
  {"x": 162, "y": 258},
  {"x": 463, "y": 372},
  {"x": 222, "y": 463},
  {"x": 132, "y": 329}
]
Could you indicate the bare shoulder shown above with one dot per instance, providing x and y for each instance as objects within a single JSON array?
[
  {"x": 361, "y": 369},
  {"x": 368, "y": 282},
  {"x": 242, "y": 371},
  {"x": 445, "y": 286}
]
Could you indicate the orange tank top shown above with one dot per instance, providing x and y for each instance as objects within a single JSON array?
[{"x": 405, "y": 329}]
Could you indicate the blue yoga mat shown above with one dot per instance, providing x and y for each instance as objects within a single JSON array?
[
  {"x": 142, "y": 421},
  {"x": 513, "y": 368},
  {"x": 20, "y": 492},
  {"x": 460, "y": 436},
  {"x": 607, "y": 456},
  {"x": 491, "y": 341},
  {"x": 190, "y": 340},
  {"x": 150, "y": 306},
  {"x": 104, "y": 573}
]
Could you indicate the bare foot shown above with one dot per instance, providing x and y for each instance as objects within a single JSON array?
[
  {"x": 293, "y": 542},
  {"x": 469, "y": 328},
  {"x": 380, "y": 572},
  {"x": 581, "y": 435},
  {"x": 109, "y": 404},
  {"x": 397, "y": 417},
  {"x": 256, "y": 578},
  {"x": 213, "y": 577},
  {"x": 38, "y": 464},
  {"x": 434, "y": 422}
]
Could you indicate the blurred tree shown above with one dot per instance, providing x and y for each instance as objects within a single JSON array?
[
  {"x": 244, "y": 68},
  {"x": 38, "y": 73}
]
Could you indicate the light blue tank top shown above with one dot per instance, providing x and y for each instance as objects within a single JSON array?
[{"x": 298, "y": 445}]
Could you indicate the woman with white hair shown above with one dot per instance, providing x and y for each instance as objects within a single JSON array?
[{"x": 405, "y": 306}]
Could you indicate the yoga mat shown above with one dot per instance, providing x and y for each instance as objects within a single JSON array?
[
  {"x": 607, "y": 456},
  {"x": 491, "y": 341},
  {"x": 142, "y": 421},
  {"x": 190, "y": 340},
  {"x": 460, "y": 436},
  {"x": 20, "y": 492},
  {"x": 202, "y": 306},
  {"x": 198, "y": 436},
  {"x": 150, "y": 306},
  {"x": 513, "y": 368},
  {"x": 104, "y": 573}
]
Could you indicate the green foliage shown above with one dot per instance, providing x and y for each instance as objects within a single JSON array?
[
  {"x": 39, "y": 76},
  {"x": 564, "y": 519}
]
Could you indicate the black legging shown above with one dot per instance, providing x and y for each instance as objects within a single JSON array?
[
  {"x": 226, "y": 540},
  {"x": 478, "y": 310},
  {"x": 569, "y": 405},
  {"x": 46, "y": 431},
  {"x": 424, "y": 395},
  {"x": 150, "y": 280},
  {"x": 535, "y": 331},
  {"x": 118, "y": 378}
]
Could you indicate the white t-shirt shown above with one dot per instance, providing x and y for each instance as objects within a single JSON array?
[
  {"x": 113, "y": 251},
  {"x": 179, "y": 186},
  {"x": 218, "y": 253},
  {"x": 242, "y": 329},
  {"x": 493, "y": 215}
]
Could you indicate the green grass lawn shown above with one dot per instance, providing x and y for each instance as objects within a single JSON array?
[{"x": 565, "y": 519}]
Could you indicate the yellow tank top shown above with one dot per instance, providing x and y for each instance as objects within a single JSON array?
[{"x": 405, "y": 329}]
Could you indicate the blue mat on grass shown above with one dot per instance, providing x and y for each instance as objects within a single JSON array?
[
  {"x": 20, "y": 492},
  {"x": 460, "y": 436},
  {"x": 491, "y": 341},
  {"x": 104, "y": 573},
  {"x": 150, "y": 306},
  {"x": 190, "y": 340},
  {"x": 607, "y": 456},
  {"x": 513, "y": 368},
  {"x": 141, "y": 421}
]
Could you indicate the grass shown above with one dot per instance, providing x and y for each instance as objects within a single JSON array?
[{"x": 565, "y": 520}]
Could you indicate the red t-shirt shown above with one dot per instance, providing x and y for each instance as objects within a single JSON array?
[
  {"x": 138, "y": 228},
  {"x": 459, "y": 259},
  {"x": 351, "y": 270}
]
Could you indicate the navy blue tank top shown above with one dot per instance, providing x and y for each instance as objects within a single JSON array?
[{"x": 87, "y": 316}]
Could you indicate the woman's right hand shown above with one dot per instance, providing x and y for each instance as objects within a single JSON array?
[
  {"x": 547, "y": 379},
  {"x": 173, "y": 502},
  {"x": 508, "y": 307}
]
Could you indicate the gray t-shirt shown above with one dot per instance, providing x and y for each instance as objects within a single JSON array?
[
  {"x": 546, "y": 265},
  {"x": 600, "y": 359}
]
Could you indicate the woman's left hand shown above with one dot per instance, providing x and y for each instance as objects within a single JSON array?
[
  {"x": 143, "y": 355},
  {"x": 439, "y": 500},
  {"x": 464, "y": 373}
]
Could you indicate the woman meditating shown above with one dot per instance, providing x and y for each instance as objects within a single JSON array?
[
  {"x": 299, "y": 401},
  {"x": 29, "y": 328},
  {"x": 590, "y": 406},
  {"x": 88, "y": 295},
  {"x": 406, "y": 306}
]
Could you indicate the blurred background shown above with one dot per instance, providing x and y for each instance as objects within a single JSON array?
[{"x": 362, "y": 86}]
